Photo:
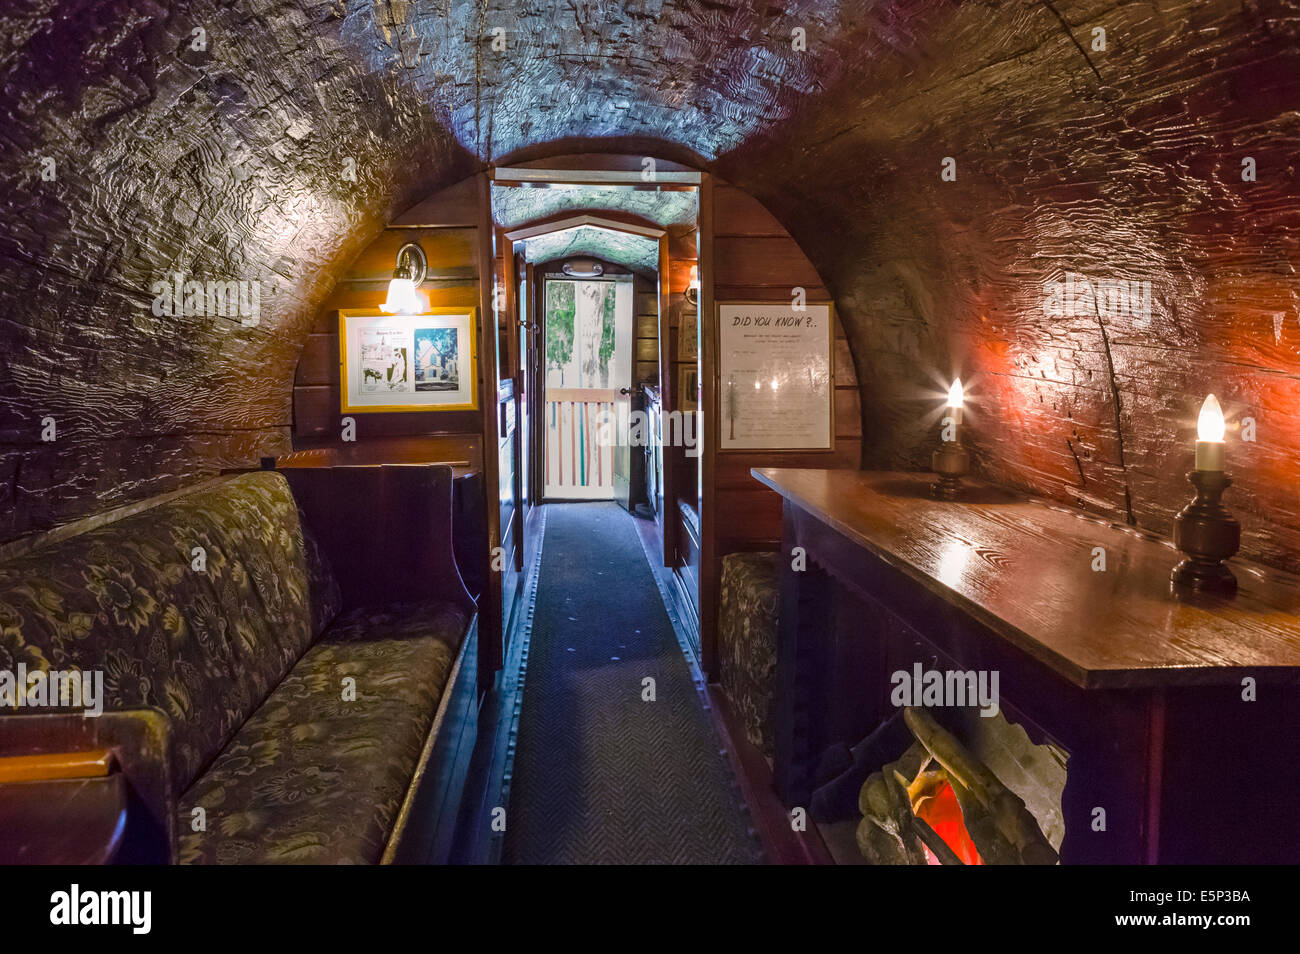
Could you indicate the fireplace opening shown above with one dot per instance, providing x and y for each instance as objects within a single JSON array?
[{"x": 976, "y": 791}]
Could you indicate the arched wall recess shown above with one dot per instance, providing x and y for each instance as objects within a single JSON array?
[{"x": 753, "y": 258}]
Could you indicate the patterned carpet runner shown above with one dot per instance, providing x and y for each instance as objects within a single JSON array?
[{"x": 602, "y": 776}]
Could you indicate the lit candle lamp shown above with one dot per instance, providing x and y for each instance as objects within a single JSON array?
[
  {"x": 950, "y": 461},
  {"x": 1204, "y": 529},
  {"x": 955, "y": 399},
  {"x": 1209, "y": 436}
]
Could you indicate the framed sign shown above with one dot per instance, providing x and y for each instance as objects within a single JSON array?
[
  {"x": 408, "y": 362},
  {"x": 688, "y": 332},
  {"x": 688, "y": 387},
  {"x": 776, "y": 382}
]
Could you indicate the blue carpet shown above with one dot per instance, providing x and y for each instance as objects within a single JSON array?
[{"x": 600, "y": 775}]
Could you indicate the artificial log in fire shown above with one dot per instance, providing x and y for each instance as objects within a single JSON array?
[{"x": 907, "y": 809}]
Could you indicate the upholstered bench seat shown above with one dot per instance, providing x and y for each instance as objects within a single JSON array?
[
  {"x": 298, "y": 724},
  {"x": 313, "y": 777},
  {"x": 747, "y": 624}
]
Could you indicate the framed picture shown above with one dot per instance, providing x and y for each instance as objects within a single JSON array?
[
  {"x": 688, "y": 387},
  {"x": 776, "y": 376},
  {"x": 688, "y": 336},
  {"x": 408, "y": 362}
]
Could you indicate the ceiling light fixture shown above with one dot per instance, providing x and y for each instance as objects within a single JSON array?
[{"x": 583, "y": 268}]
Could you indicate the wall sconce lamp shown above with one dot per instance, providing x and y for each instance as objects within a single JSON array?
[
  {"x": 412, "y": 266},
  {"x": 950, "y": 461},
  {"x": 1204, "y": 529},
  {"x": 693, "y": 289}
]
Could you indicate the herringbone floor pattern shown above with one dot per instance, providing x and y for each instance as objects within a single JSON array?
[{"x": 600, "y": 775}]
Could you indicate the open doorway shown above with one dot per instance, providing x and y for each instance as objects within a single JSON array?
[
  {"x": 587, "y": 356},
  {"x": 554, "y": 225}
]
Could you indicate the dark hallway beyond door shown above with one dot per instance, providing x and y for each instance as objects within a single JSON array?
[{"x": 600, "y": 775}]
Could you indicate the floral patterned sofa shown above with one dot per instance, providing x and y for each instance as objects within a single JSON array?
[{"x": 297, "y": 726}]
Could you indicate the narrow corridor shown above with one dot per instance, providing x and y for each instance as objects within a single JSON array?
[{"x": 607, "y": 771}]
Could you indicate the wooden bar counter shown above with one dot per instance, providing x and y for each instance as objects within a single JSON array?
[{"x": 1178, "y": 715}]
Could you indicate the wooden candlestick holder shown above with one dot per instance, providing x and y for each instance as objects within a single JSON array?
[
  {"x": 1208, "y": 534},
  {"x": 951, "y": 462}
]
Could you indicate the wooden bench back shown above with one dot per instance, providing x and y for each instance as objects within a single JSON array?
[{"x": 386, "y": 529}]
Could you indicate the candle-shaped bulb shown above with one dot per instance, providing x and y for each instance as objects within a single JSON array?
[
  {"x": 952, "y": 418},
  {"x": 1209, "y": 436},
  {"x": 1209, "y": 426}
]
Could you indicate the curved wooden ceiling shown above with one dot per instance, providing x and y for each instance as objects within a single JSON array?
[{"x": 279, "y": 146}]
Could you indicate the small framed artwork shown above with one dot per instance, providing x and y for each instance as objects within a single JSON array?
[
  {"x": 396, "y": 363},
  {"x": 688, "y": 387},
  {"x": 688, "y": 336}
]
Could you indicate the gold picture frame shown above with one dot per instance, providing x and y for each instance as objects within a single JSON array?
[{"x": 392, "y": 364}]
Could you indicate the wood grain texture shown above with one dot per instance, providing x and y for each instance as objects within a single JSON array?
[
  {"x": 755, "y": 259},
  {"x": 1023, "y": 569},
  {"x": 224, "y": 163},
  {"x": 1122, "y": 163},
  {"x": 1117, "y": 164},
  {"x": 452, "y": 254}
]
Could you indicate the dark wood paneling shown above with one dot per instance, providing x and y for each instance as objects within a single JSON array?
[
  {"x": 762, "y": 261},
  {"x": 736, "y": 213},
  {"x": 450, "y": 253},
  {"x": 398, "y": 545},
  {"x": 458, "y": 294},
  {"x": 317, "y": 415},
  {"x": 755, "y": 259},
  {"x": 493, "y": 611},
  {"x": 773, "y": 293},
  {"x": 319, "y": 362},
  {"x": 462, "y": 451},
  {"x": 647, "y": 325},
  {"x": 454, "y": 206},
  {"x": 316, "y": 393},
  {"x": 848, "y": 412}
]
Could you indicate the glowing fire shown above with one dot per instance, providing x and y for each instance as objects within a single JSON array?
[
  {"x": 955, "y": 395},
  {"x": 935, "y": 803}
]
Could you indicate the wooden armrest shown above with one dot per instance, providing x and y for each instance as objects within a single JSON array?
[
  {"x": 62, "y": 754},
  {"x": 65, "y": 821},
  {"x": 95, "y": 763}
]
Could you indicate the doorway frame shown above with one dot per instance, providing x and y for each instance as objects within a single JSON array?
[
  {"x": 537, "y": 381},
  {"x": 541, "y": 279}
]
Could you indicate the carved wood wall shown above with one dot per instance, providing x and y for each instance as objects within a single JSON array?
[
  {"x": 237, "y": 160},
  {"x": 1117, "y": 164}
]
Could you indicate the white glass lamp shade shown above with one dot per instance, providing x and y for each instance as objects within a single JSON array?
[{"x": 403, "y": 299}]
